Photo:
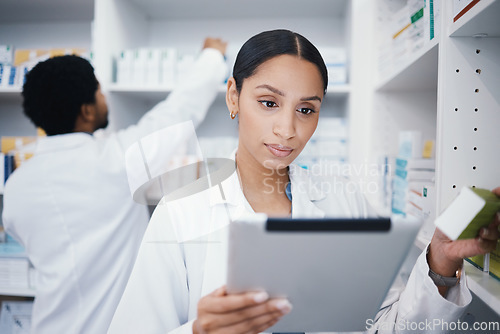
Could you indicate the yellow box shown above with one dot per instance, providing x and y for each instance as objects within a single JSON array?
[{"x": 9, "y": 144}]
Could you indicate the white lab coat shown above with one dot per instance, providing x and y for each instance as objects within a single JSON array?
[
  {"x": 169, "y": 277},
  {"x": 71, "y": 207}
]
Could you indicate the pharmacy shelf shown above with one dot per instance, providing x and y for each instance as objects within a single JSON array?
[
  {"x": 483, "y": 18},
  {"x": 418, "y": 73},
  {"x": 481, "y": 283},
  {"x": 214, "y": 9},
  {"x": 142, "y": 92},
  {"x": 484, "y": 286},
  {"x": 18, "y": 292},
  {"x": 10, "y": 94},
  {"x": 160, "y": 92},
  {"x": 19, "y": 11},
  {"x": 10, "y": 90}
]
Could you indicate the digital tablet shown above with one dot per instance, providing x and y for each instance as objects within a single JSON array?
[{"x": 335, "y": 272}]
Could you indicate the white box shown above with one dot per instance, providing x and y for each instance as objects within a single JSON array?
[
  {"x": 7, "y": 75},
  {"x": 184, "y": 65},
  {"x": 140, "y": 67},
  {"x": 6, "y": 54},
  {"x": 2, "y": 172},
  {"x": 333, "y": 55},
  {"x": 168, "y": 64},
  {"x": 337, "y": 74},
  {"x": 410, "y": 144},
  {"x": 124, "y": 68},
  {"x": 335, "y": 60},
  {"x": 153, "y": 72}
]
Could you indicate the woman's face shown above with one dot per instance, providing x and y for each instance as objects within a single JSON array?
[{"x": 278, "y": 109}]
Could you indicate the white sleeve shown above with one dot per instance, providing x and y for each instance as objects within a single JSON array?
[
  {"x": 420, "y": 304},
  {"x": 156, "y": 299},
  {"x": 190, "y": 100},
  {"x": 187, "y": 328}
]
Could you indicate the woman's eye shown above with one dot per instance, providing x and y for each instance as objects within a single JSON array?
[
  {"x": 268, "y": 104},
  {"x": 306, "y": 111}
]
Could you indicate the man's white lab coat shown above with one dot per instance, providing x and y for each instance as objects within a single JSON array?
[
  {"x": 169, "y": 277},
  {"x": 71, "y": 207}
]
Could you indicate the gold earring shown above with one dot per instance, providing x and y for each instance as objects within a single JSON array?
[{"x": 233, "y": 115}]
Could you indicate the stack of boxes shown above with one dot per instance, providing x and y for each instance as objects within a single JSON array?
[
  {"x": 14, "y": 64},
  {"x": 413, "y": 187},
  {"x": 164, "y": 66},
  {"x": 7, "y": 71},
  {"x": 151, "y": 67},
  {"x": 328, "y": 145},
  {"x": 412, "y": 24},
  {"x": 15, "y": 269},
  {"x": 336, "y": 64},
  {"x": 14, "y": 151}
]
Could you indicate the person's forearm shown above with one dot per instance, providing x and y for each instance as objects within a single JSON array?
[{"x": 190, "y": 100}]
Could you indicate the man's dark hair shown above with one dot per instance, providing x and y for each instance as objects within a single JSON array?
[{"x": 55, "y": 90}]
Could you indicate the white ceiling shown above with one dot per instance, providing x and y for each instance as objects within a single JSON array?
[
  {"x": 13, "y": 11},
  {"x": 213, "y": 9}
]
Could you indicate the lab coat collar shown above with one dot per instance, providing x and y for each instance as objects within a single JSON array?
[
  {"x": 231, "y": 192},
  {"x": 62, "y": 142},
  {"x": 304, "y": 192}
]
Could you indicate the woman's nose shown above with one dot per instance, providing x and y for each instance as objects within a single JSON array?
[{"x": 284, "y": 124}]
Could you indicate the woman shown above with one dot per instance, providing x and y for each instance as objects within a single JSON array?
[{"x": 279, "y": 81}]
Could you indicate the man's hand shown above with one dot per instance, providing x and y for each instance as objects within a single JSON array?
[
  {"x": 215, "y": 43},
  {"x": 446, "y": 256}
]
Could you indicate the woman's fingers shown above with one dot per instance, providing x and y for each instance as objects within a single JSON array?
[
  {"x": 219, "y": 312},
  {"x": 223, "y": 303},
  {"x": 267, "y": 325},
  {"x": 219, "y": 292},
  {"x": 275, "y": 307},
  {"x": 252, "y": 325}
]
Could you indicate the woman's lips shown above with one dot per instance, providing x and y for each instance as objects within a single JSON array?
[{"x": 279, "y": 150}]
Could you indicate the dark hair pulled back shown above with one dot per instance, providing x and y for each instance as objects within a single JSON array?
[{"x": 269, "y": 44}]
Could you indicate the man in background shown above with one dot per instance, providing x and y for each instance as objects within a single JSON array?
[{"x": 70, "y": 205}]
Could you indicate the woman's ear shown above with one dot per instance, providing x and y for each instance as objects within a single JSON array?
[{"x": 232, "y": 96}]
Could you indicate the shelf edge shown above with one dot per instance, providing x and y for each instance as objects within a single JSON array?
[
  {"x": 382, "y": 84},
  {"x": 481, "y": 283}
]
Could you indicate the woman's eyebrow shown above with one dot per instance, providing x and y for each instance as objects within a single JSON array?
[
  {"x": 311, "y": 98},
  {"x": 277, "y": 91},
  {"x": 272, "y": 89}
]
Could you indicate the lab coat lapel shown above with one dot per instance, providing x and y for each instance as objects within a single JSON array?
[
  {"x": 304, "y": 194},
  {"x": 225, "y": 206}
]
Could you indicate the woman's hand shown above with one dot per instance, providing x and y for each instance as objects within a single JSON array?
[
  {"x": 445, "y": 256},
  {"x": 250, "y": 312}
]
